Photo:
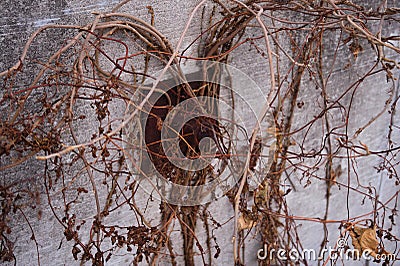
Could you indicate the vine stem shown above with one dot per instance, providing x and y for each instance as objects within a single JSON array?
[
  {"x": 131, "y": 116},
  {"x": 266, "y": 107},
  {"x": 21, "y": 60}
]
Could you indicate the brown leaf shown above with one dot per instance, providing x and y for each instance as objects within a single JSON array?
[
  {"x": 355, "y": 48},
  {"x": 364, "y": 239},
  {"x": 75, "y": 251},
  {"x": 245, "y": 222}
]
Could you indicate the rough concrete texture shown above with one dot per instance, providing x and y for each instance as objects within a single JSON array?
[{"x": 18, "y": 19}]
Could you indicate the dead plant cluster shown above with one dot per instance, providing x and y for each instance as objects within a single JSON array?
[{"x": 68, "y": 120}]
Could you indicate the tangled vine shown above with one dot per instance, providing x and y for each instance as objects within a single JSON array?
[{"x": 69, "y": 120}]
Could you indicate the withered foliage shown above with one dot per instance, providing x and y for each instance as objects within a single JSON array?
[
  {"x": 365, "y": 239},
  {"x": 62, "y": 115}
]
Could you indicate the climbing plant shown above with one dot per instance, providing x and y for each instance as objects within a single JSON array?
[{"x": 69, "y": 112}]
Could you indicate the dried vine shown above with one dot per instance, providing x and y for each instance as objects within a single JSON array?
[{"x": 93, "y": 75}]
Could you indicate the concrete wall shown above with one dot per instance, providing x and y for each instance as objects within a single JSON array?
[{"x": 18, "y": 19}]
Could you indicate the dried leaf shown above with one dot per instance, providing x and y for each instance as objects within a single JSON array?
[
  {"x": 262, "y": 194},
  {"x": 245, "y": 222},
  {"x": 355, "y": 48},
  {"x": 75, "y": 252},
  {"x": 364, "y": 239}
]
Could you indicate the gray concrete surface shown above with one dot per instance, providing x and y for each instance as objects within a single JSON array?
[{"x": 18, "y": 19}]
